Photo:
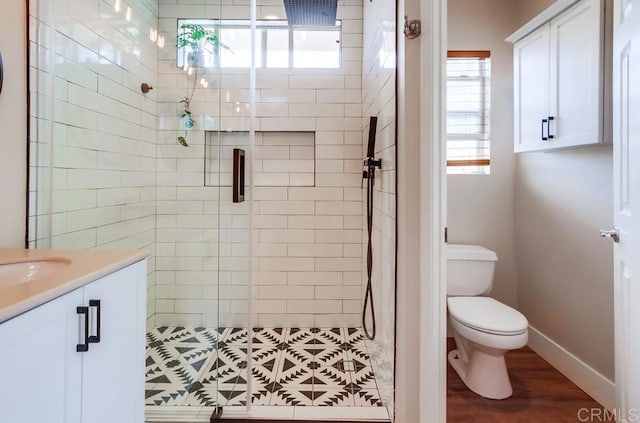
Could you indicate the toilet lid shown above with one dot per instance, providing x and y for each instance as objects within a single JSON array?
[{"x": 487, "y": 315}]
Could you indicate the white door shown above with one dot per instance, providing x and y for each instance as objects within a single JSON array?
[
  {"x": 113, "y": 369},
  {"x": 39, "y": 365},
  {"x": 531, "y": 90},
  {"x": 575, "y": 88},
  {"x": 626, "y": 154}
]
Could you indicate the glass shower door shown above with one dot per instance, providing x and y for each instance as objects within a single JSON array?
[
  {"x": 212, "y": 222},
  {"x": 228, "y": 156}
]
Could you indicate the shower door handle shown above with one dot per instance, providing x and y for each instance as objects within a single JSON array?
[{"x": 238, "y": 175}]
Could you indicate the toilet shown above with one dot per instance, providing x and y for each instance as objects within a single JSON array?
[{"x": 484, "y": 329}]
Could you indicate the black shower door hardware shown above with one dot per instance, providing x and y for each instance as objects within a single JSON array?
[
  {"x": 84, "y": 346},
  {"x": 95, "y": 339},
  {"x": 238, "y": 175}
]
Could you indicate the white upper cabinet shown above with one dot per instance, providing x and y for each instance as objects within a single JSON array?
[
  {"x": 531, "y": 79},
  {"x": 559, "y": 78}
]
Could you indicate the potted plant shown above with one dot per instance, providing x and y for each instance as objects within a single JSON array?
[
  {"x": 198, "y": 39},
  {"x": 186, "y": 119}
]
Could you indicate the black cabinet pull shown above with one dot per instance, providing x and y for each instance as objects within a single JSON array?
[
  {"x": 238, "y": 175},
  {"x": 542, "y": 129},
  {"x": 84, "y": 347},
  {"x": 94, "y": 339},
  {"x": 549, "y": 128},
  {"x": 1, "y": 72}
]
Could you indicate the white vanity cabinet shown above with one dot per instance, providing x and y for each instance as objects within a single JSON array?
[
  {"x": 40, "y": 371},
  {"x": 559, "y": 78},
  {"x": 43, "y": 376}
]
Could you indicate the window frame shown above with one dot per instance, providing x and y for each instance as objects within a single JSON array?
[
  {"x": 264, "y": 24},
  {"x": 485, "y": 118}
]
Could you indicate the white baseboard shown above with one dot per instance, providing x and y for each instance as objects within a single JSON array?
[{"x": 579, "y": 372}]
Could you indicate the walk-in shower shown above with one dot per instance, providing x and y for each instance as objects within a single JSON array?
[{"x": 241, "y": 173}]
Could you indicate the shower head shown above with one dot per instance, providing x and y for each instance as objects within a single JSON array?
[
  {"x": 373, "y": 123},
  {"x": 311, "y": 12}
]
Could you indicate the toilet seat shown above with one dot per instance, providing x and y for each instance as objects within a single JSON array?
[{"x": 487, "y": 315}]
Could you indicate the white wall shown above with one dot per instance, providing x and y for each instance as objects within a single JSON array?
[
  {"x": 527, "y": 9},
  {"x": 409, "y": 354},
  {"x": 13, "y": 123},
  {"x": 379, "y": 99},
  {"x": 565, "y": 270},
  {"x": 481, "y": 207}
]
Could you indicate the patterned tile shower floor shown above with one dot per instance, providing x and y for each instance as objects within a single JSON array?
[{"x": 291, "y": 366}]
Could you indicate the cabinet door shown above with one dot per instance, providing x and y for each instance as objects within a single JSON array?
[
  {"x": 113, "y": 369},
  {"x": 576, "y": 75},
  {"x": 531, "y": 90},
  {"x": 40, "y": 369}
]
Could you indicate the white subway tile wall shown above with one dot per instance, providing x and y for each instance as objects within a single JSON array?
[
  {"x": 307, "y": 203},
  {"x": 378, "y": 99},
  {"x": 97, "y": 175}
]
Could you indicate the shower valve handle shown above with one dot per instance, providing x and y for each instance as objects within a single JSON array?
[{"x": 370, "y": 162}]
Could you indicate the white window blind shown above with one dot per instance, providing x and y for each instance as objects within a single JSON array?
[{"x": 468, "y": 105}]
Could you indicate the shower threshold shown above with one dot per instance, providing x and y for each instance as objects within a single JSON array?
[
  {"x": 297, "y": 373},
  {"x": 261, "y": 413}
]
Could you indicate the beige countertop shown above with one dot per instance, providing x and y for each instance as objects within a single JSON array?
[{"x": 73, "y": 269}]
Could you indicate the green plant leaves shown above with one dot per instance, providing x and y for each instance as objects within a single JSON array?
[
  {"x": 183, "y": 141},
  {"x": 197, "y": 37}
]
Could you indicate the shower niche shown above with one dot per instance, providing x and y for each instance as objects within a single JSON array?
[{"x": 280, "y": 159}]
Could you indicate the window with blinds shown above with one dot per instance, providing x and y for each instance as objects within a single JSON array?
[{"x": 468, "y": 105}]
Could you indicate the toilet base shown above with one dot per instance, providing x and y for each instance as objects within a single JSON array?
[{"x": 483, "y": 372}]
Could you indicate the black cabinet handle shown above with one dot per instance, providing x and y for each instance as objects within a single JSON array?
[
  {"x": 84, "y": 346},
  {"x": 542, "y": 129},
  {"x": 94, "y": 339},
  {"x": 238, "y": 175},
  {"x": 1, "y": 72},
  {"x": 549, "y": 128}
]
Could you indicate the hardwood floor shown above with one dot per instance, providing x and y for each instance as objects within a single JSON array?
[
  {"x": 225, "y": 420},
  {"x": 541, "y": 394}
]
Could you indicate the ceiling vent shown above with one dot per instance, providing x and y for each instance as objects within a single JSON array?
[{"x": 311, "y": 12}]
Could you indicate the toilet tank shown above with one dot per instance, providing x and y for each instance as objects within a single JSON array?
[{"x": 469, "y": 270}]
